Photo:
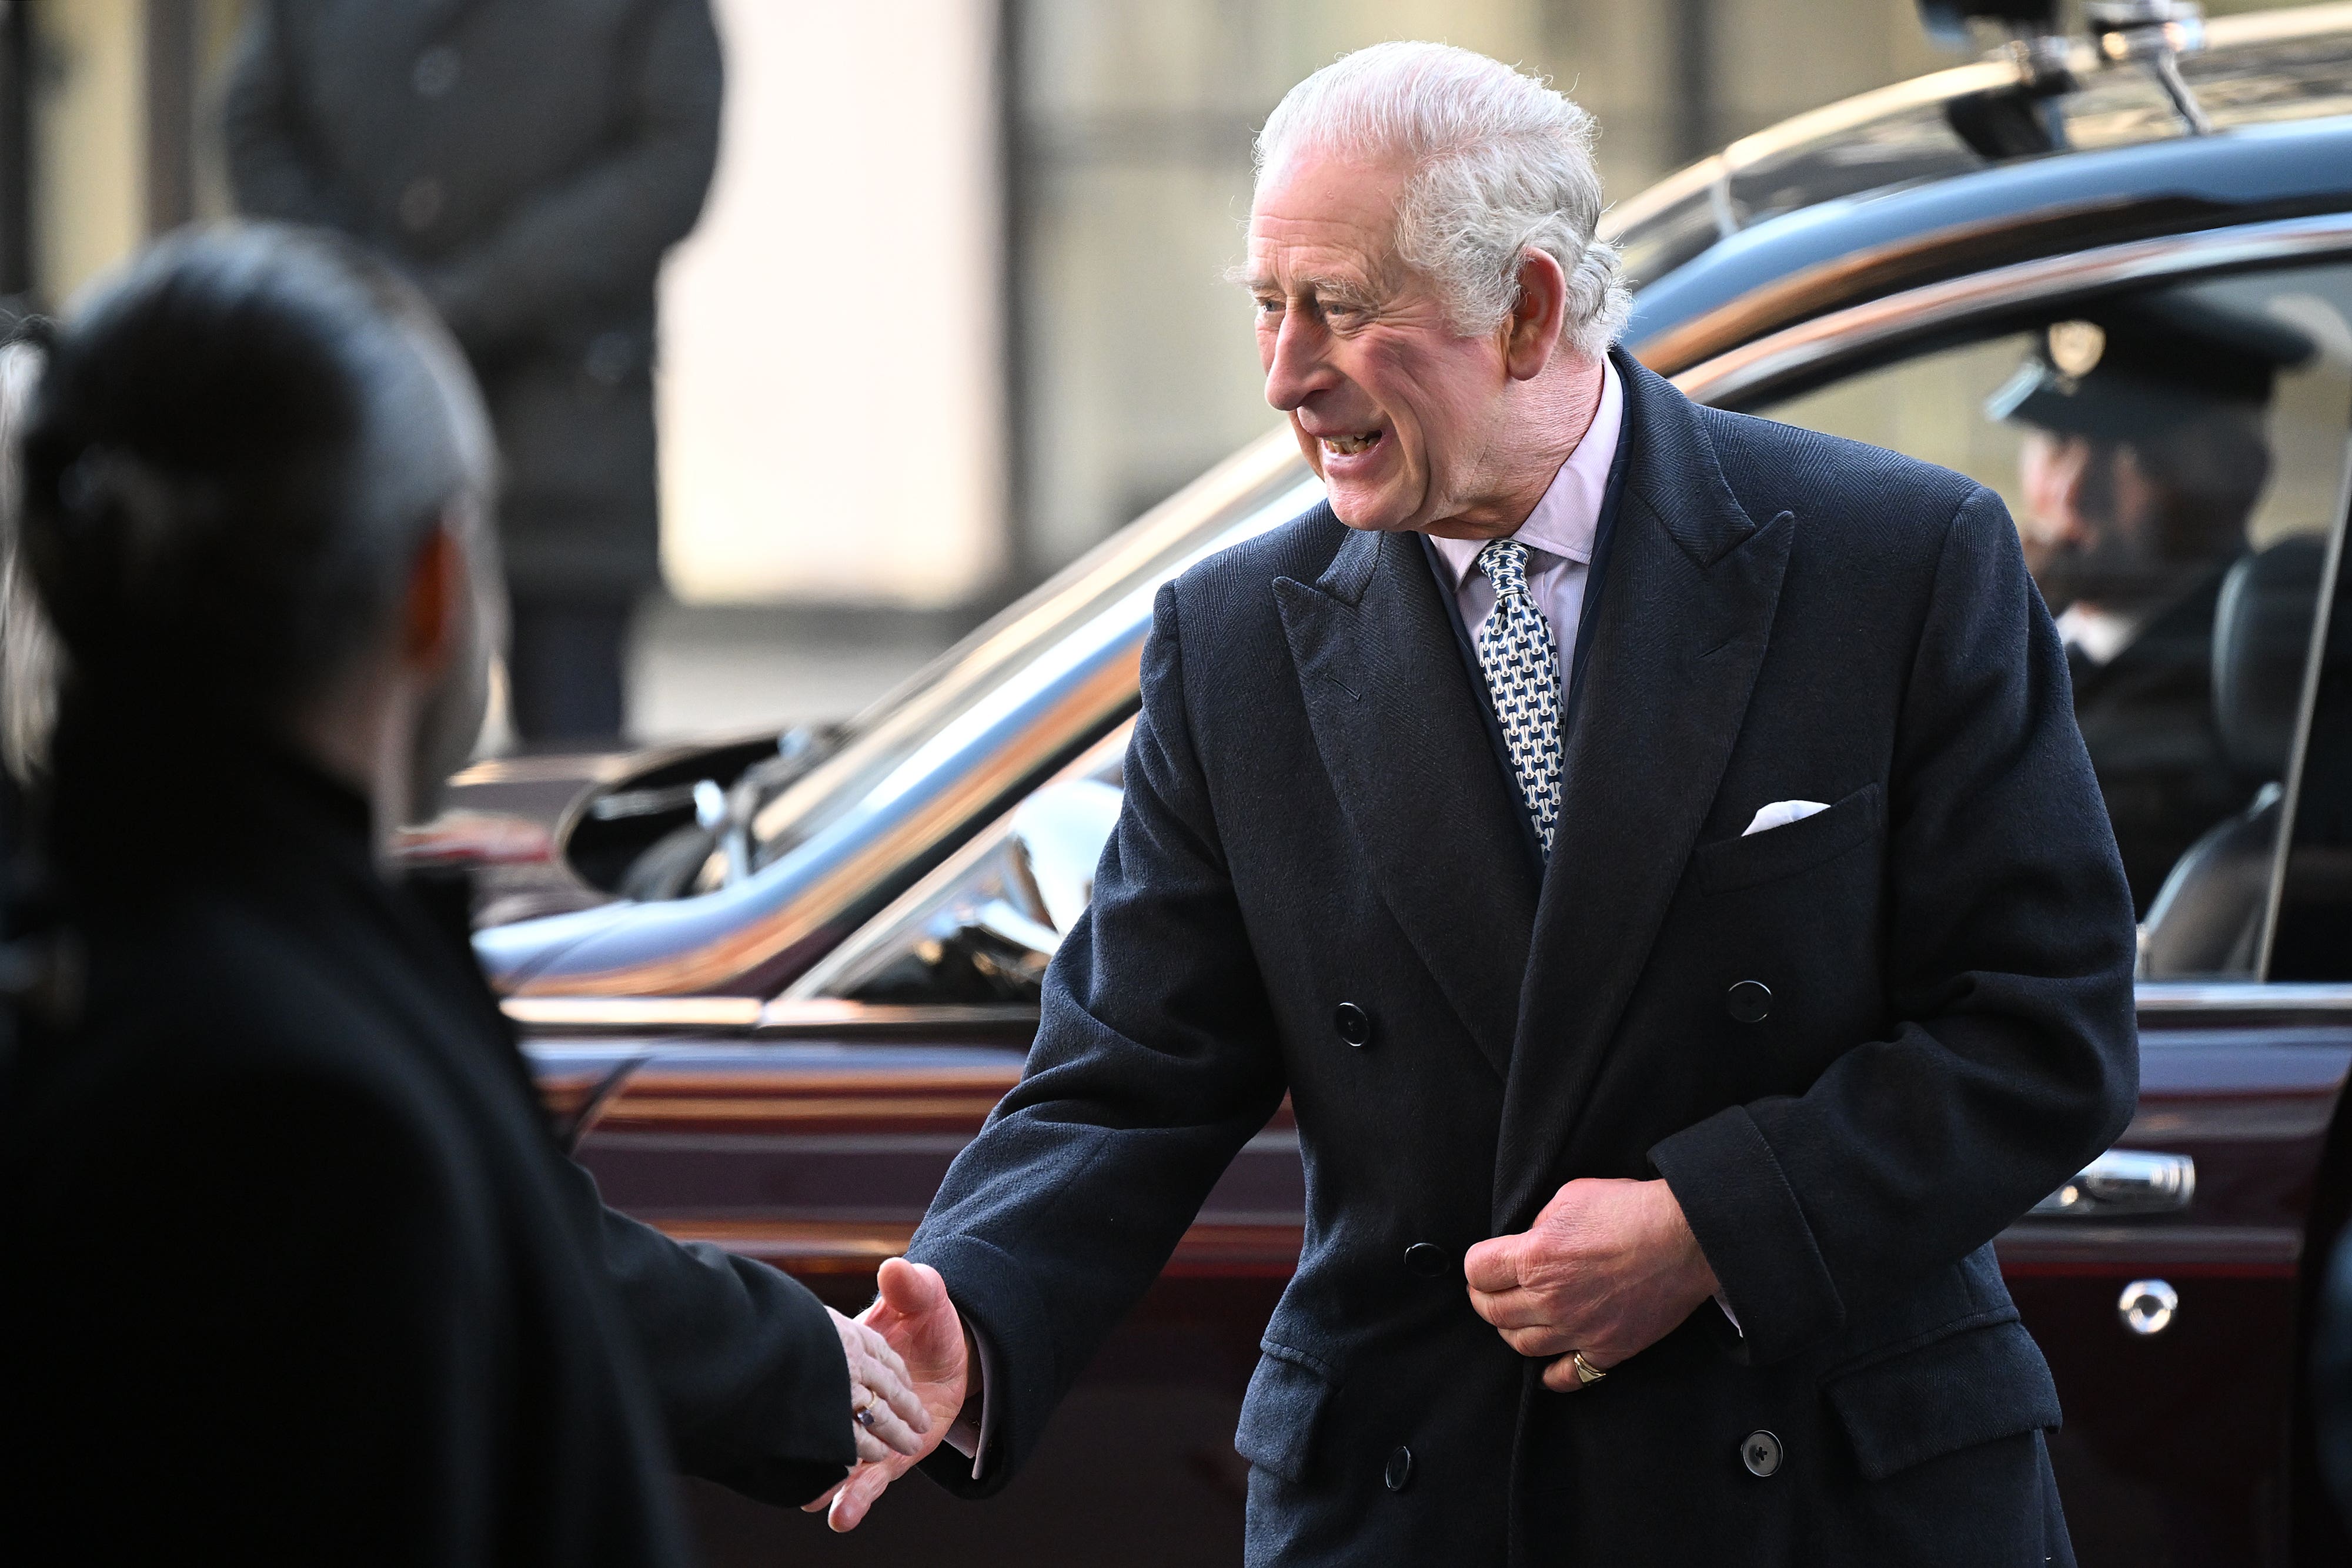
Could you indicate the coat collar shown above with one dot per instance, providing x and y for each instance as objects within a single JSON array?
[
  {"x": 1678, "y": 634},
  {"x": 1397, "y": 721}
]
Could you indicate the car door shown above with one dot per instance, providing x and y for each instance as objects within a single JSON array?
[{"x": 2175, "y": 455}]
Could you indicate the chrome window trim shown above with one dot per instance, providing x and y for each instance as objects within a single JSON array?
[
  {"x": 814, "y": 1015},
  {"x": 1756, "y": 367},
  {"x": 2187, "y": 997},
  {"x": 749, "y": 1015}
]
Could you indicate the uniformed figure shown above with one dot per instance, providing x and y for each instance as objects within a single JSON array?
[
  {"x": 2143, "y": 458},
  {"x": 527, "y": 165}
]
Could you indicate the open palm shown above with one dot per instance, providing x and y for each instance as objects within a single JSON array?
[{"x": 914, "y": 1315}]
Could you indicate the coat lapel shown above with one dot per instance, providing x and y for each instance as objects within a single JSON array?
[
  {"x": 1684, "y": 611},
  {"x": 1397, "y": 721}
]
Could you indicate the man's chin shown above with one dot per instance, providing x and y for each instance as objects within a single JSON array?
[{"x": 1375, "y": 512}]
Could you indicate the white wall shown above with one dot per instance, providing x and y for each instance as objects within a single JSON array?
[{"x": 831, "y": 397}]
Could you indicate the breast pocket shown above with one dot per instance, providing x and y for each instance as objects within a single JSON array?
[{"x": 1752, "y": 859}]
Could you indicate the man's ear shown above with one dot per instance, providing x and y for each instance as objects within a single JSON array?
[
  {"x": 1533, "y": 329},
  {"x": 435, "y": 607}
]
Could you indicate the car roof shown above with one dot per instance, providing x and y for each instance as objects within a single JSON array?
[{"x": 1880, "y": 192}]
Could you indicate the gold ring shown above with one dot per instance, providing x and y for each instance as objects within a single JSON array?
[{"x": 1586, "y": 1373}]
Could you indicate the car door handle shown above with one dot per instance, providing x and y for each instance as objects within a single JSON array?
[{"x": 2124, "y": 1181}]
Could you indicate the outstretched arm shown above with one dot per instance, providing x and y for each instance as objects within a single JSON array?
[{"x": 1156, "y": 1060}]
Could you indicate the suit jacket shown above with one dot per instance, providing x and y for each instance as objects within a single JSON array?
[
  {"x": 528, "y": 163},
  {"x": 297, "y": 1271},
  {"x": 1314, "y": 816},
  {"x": 2148, "y": 716}
]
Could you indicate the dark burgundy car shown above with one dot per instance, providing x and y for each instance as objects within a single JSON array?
[{"x": 773, "y": 985}]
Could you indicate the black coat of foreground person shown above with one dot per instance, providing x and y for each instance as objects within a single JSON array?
[{"x": 297, "y": 1271}]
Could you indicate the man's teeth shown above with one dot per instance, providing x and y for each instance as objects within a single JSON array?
[{"x": 1348, "y": 446}]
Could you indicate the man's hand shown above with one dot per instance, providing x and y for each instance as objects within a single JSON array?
[
  {"x": 915, "y": 1319},
  {"x": 887, "y": 1414},
  {"x": 1609, "y": 1268}
]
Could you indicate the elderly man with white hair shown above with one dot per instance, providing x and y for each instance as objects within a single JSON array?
[{"x": 1652, "y": 849}]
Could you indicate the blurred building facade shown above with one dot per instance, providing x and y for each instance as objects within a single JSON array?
[{"x": 956, "y": 310}]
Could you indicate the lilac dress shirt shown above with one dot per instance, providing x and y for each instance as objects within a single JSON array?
[{"x": 1558, "y": 534}]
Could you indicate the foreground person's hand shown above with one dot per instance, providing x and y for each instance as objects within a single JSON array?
[
  {"x": 1609, "y": 1268},
  {"x": 915, "y": 1318},
  {"x": 888, "y": 1415}
]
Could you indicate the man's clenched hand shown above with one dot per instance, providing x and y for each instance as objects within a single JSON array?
[
  {"x": 1609, "y": 1268},
  {"x": 915, "y": 1318}
]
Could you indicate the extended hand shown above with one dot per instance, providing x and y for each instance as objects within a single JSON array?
[
  {"x": 885, "y": 1412},
  {"x": 914, "y": 1316},
  {"x": 1609, "y": 1268}
]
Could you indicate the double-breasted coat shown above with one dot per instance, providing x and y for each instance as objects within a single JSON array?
[
  {"x": 529, "y": 163},
  {"x": 1315, "y": 817}
]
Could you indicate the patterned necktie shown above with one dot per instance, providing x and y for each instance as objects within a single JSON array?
[{"x": 1522, "y": 665}]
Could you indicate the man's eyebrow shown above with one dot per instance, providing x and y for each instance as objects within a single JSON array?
[{"x": 1333, "y": 290}]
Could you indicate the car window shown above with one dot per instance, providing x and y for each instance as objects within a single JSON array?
[
  {"x": 2313, "y": 938},
  {"x": 2175, "y": 461}
]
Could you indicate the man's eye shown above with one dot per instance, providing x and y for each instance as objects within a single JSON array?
[{"x": 1269, "y": 307}]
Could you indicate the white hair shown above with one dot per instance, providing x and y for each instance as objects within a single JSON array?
[
  {"x": 31, "y": 661},
  {"x": 1502, "y": 163}
]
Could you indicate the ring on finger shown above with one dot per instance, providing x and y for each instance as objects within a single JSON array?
[{"x": 1586, "y": 1373}]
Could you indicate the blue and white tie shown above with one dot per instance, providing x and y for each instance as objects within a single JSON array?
[{"x": 1522, "y": 665}]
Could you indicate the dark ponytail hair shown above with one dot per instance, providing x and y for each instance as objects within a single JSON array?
[{"x": 237, "y": 446}]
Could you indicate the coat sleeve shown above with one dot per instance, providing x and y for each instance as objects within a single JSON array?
[
  {"x": 593, "y": 239},
  {"x": 746, "y": 1364},
  {"x": 2015, "y": 1056},
  {"x": 273, "y": 165},
  {"x": 1156, "y": 1060}
]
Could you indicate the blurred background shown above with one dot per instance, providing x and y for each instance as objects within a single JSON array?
[{"x": 953, "y": 312}]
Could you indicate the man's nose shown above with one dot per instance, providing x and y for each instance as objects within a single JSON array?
[{"x": 1297, "y": 370}]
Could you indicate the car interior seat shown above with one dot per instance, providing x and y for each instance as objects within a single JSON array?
[{"x": 2207, "y": 919}]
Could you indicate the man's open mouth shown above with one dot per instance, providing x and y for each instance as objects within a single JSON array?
[{"x": 1348, "y": 446}]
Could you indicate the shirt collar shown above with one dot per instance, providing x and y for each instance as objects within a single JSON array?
[{"x": 1567, "y": 516}]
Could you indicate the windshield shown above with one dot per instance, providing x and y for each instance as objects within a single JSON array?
[{"x": 918, "y": 772}]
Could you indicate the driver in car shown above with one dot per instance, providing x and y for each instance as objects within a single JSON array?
[{"x": 2143, "y": 458}]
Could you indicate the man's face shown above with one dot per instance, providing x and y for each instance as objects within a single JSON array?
[
  {"x": 1396, "y": 413},
  {"x": 2089, "y": 521}
]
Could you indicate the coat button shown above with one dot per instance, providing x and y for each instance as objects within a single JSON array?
[
  {"x": 1399, "y": 1474},
  {"x": 436, "y": 72},
  {"x": 1425, "y": 1260},
  {"x": 1354, "y": 1024},
  {"x": 420, "y": 202},
  {"x": 1748, "y": 1001},
  {"x": 1761, "y": 1454}
]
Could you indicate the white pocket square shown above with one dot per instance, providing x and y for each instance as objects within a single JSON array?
[{"x": 1780, "y": 814}]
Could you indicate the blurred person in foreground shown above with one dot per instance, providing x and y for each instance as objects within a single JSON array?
[
  {"x": 2144, "y": 456},
  {"x": 528, "y": 164},
  {"x": 1652, "y": 849},
  {"x": 296, "y": 1269}
]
